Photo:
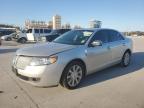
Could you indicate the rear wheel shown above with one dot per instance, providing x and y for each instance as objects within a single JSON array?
[
  {"x": 126, "y": 59},
  {"x": 72, "y": 75}
]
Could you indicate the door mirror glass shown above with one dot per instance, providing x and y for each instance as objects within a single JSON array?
[{"x": 96, "y": 43}]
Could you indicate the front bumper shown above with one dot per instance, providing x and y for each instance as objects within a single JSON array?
[
  {"x": 3, "y": 38},
  {"x": 42, "y": 76}
]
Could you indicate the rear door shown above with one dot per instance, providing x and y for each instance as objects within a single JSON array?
[{"x": 116, "y": 44}]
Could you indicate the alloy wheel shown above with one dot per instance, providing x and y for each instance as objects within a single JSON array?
[{"x": 74, "y": 75}]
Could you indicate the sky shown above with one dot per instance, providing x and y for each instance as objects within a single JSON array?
[{"x": 124, "y": 15}]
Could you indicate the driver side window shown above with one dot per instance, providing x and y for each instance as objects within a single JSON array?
[{"x": 100, "y": 36}]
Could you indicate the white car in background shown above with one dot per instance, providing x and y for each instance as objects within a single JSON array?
[
  {"x": 34, "y": 34},
  {"x": 8, "y": 37}
]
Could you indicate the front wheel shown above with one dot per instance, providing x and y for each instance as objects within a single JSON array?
[
  {"x": 9, "y": 39},
  {"x": 126, "y": 59},
  {"x": 72, "y": 75},
  {"x": 22, "y": 40}
]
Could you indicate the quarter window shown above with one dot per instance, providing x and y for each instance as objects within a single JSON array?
[{"x": 36, "y": 30}]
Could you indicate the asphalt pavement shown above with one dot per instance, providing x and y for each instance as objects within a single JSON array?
[{"x": 115, "y": 87}]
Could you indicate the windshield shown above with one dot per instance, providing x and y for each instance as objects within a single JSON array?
[
  {"x": 29, "y": 31},
  {"x": 74, "y": 37}
]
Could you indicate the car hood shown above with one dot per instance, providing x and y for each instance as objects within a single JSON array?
[{"x": 45, "y": 49}]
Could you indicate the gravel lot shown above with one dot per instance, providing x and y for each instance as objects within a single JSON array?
[{"x": 114, "y": 87}]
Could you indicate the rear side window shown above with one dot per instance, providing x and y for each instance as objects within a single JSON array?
[
  {"x": 114, "y": 36},
  {"x": 36, "y": 30},
  {"x": 41, "y": 30},
  {"x": 101, "y": 35},
  {"x": 120, "y": 36}
]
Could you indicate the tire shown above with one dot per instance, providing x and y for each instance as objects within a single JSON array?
[
  {"x": 72, "y": 75},
  {"x": 9, "y": 39},
  {"x": 22, "y": 40},
  {"x": 126, "y": 59}
]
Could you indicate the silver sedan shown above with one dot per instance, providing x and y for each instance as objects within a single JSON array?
[{"x": 72, "y": 56}]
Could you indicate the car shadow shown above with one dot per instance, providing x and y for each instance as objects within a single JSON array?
[
  {"x": 3, "y": 51},
  {"x": 137, "y": 63}
]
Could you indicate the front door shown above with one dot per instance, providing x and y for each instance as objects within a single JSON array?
[{"x": 100, "y": 56}]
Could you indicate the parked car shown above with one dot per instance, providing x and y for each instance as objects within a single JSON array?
[
  {"x": 8, "y": 37},
  {"x": 34, "y": 33},
  {"x": 72, "y": 56},
  {"x": 7, "y": 33},
  {"x": 53, "y": 35}
]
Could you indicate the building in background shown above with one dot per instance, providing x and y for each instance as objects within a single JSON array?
[
  {"x": 56, "y": 22},
  {"x": 66, "y": 26},
  {"x": 50, "y": 24},
  {"x": 35, "y": 24},
  {"x": 134, "y": 33},
  {"x": 95, "y": 24},
  {"x": 77, "y": 27}
]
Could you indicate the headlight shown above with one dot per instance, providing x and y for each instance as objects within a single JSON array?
[{"x": 37, "y": 61}]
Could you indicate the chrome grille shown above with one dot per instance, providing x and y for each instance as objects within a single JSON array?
[{"x": 22, "y": 62}]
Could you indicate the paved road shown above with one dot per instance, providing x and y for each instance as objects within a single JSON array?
[{"x": 114, "y": 87}]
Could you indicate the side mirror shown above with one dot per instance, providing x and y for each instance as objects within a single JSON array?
[{"x": 96, "y": 43}]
